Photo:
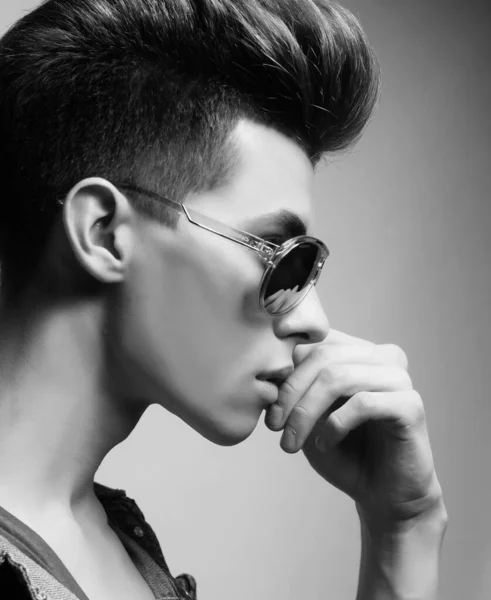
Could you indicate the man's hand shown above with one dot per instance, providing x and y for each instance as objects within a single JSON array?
[{"x": 356, "y": 398}]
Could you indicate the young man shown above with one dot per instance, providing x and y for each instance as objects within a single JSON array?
[{"x": 157, "y": 165}]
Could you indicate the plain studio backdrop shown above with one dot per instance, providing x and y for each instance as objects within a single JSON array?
[{"x": 407, "y": 218}]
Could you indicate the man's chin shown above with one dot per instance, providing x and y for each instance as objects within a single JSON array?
[{"x": 229, "y": 435}]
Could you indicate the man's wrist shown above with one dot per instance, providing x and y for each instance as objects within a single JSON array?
[
  {"x": 433, "y": 518},
  {"x": 401, "y": 560}
]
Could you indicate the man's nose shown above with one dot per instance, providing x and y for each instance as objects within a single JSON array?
[{"x": 308, "y": 322}]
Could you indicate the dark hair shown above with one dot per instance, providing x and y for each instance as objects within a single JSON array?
[{"x": 148, "y": 91}]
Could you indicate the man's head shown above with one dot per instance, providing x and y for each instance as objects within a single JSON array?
[{"x": 226, "y": 105}]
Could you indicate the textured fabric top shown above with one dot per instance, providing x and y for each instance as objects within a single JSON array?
[{"x": 30, "y": 569}]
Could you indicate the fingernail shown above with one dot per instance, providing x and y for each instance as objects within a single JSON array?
[
  {"x": 289, "y": 438},
  {"x": 275, "y": 416}
]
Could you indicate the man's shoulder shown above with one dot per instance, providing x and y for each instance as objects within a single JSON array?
[{"x": 23, "y": 578}]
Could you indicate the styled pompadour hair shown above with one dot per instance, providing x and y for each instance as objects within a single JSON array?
[{"x": 149, "y": 91}]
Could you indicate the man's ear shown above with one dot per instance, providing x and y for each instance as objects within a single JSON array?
[{"x": 99, "y": 224}]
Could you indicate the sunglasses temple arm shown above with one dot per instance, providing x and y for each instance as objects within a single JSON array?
[{"x": 263, "y": 248}]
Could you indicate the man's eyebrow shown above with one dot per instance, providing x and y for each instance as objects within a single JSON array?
[{"x": 284, "y": 222}]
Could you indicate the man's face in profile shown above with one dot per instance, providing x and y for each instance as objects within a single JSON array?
[{"x": 188, "y": 331}]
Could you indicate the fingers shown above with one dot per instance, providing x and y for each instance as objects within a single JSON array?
[
  {"x": 388, "y": 354},
  {"x": 329, "y": 375},
  {"x": 404, "y": 408},
  {"x": 332, "y": 383},
  {"x": 336, "y": 338},
  {"x": 324, "y": 359}
]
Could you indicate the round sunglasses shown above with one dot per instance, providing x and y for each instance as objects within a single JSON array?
[{"x": 292, "y": 268}]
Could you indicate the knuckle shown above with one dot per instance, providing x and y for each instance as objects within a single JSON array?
[
  {"x": 328, "y": 374},
  {"x": 337, "y": 421},
  {"x": 299, "y": 413},
  {"x": 417, "y": 407},
  {"x": 397, "y": 355},
  {"x": 406, "y": 381},
  {"x": 334, "y": 378},
  {"x": 336, "y": 374},
  {"x": 364, "y": 401},
  {"x": 289, "y": 388},
  {"x": 282, "y": 405}
]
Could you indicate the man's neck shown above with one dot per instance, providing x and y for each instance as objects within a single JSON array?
[{"x": 57, "y": 419}]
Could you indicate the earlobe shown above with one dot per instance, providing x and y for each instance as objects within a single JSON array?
[{"x": 98, "y": 222}]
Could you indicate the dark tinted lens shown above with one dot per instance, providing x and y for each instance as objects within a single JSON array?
[{"x": 289, "y": 281}]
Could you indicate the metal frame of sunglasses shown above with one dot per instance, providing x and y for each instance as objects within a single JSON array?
[{"x": 271, "y": 254}]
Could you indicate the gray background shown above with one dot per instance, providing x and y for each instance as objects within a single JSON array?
[{"x": 407, "y": 218}]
